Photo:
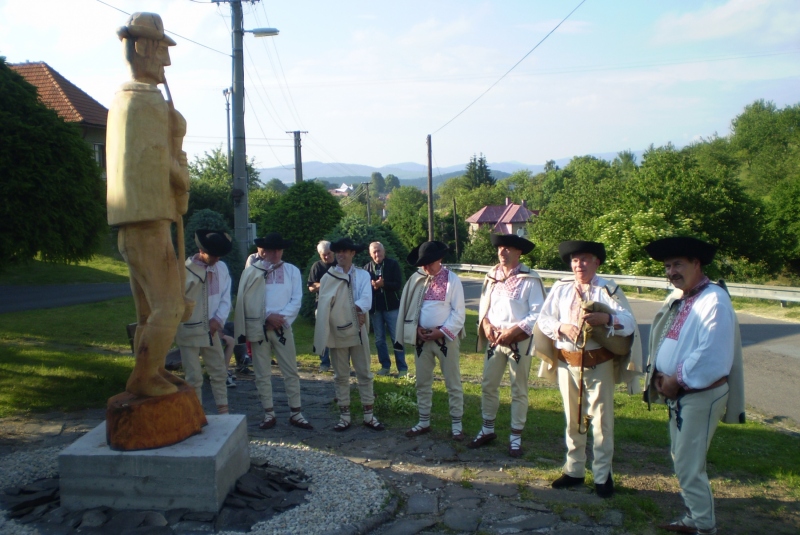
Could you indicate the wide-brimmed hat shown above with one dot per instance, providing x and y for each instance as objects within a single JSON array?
[
  {"x": 568, "y": 248},
  {"x": 147, "y": 25},
  {"x": 685, "y": 246},
  {"x": 347, "y": 244},
  {"x": 213, "y": 242},
  {"x": 427, "y": 253},
  {"x": 512, "y": 240},
  {"x": 273, "y": 241}
]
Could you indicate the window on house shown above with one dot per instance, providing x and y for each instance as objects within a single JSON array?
[{"x": 100, "y": 155}]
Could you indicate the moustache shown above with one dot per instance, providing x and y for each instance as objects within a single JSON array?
[{"x": 674, "y": 278}]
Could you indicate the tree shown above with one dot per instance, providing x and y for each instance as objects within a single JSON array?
[
  {"x": 377, "y": 183},
  {"x": 403, "y": 215},
  {"x": 478, "y": 173},
  {"x": 391, "y": 182},
  {"x": 211, "y": 220},
  {"x": 211, "y": 184},
  {"x": 480, "y": 250},
  {"x": 262, "y": 203},
  {"x": 305, "y": 213},
  {"x": 276, "y": 185},
  {"x": 53, "y": 195}
]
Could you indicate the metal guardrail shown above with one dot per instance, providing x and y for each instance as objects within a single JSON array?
[{"x": 784, "y": 294}]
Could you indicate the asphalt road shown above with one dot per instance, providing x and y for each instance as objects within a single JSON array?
[
  {"x": 19, "y": 298},
  {"x": 771, "y": 350}
]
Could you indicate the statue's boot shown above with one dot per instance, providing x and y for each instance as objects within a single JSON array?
[{"x": 151, "y": 343}]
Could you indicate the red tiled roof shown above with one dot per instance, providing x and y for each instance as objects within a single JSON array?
[
  {"x": 508, "y": 213},
  {"x": 57, "y": 93}
]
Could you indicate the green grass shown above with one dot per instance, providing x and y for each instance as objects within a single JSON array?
[{"x": 100, "y": 268}]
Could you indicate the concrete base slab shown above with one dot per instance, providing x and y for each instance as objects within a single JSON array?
[{"x": 195, "y": 474}]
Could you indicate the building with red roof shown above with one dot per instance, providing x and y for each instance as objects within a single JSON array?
[
  {"x": 70, "y": 103},
  {"x": 503, "y": 219}
]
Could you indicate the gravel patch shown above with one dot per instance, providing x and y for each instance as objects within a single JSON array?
[{"x": 342, "y": 492}]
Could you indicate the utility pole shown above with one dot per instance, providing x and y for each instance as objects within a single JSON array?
[
  {"x": 369, "y": 219},
  {"x": 239, "y": 193},
  {"x": 227, "y": 94},
  {"x": 430, "y": 192},
  {"x": 298, "y": 158},
  {"x": 455, "y": 226}
]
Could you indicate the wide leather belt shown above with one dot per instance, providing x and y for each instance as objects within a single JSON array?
[
  {"x": 713, "y": 385},
  {"x": 591, "y": 357}
]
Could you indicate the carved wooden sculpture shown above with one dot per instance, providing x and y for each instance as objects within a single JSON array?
[{"x": 148, "y": 185}]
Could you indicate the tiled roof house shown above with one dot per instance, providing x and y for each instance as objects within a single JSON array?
[
  {"x": 70, "y": 102},
  {"x": 503, "y": 219}
]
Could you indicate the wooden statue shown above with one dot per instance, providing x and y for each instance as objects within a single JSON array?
[{"x": 148, "y": 190}]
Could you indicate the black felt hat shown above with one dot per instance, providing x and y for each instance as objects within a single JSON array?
[
  {"x": 681, "y": 246},
  {"x": 568, "y": 248},
  {"x": 213, "y": 242},
  {"x": 426, "y": 253},
  {"x": 273, "y": 241},
  {"x": 512, "y": 240},
  {"x": 346, "y": 244}
]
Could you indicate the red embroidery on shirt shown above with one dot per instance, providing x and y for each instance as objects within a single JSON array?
[
  {"x": 511, "y": 286},
  {"x": 275, "y": 277},
  {"x": 677, "y": 324},
  {"x": 438, "y": 287}
]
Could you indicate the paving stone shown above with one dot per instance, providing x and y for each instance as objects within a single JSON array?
[
  {"x": 576, "y": 516},
  {"x": 453, "y": 474},
  {"x": 422, "y": 504},
  {"x": 498, "y": 489},
  {"x": 457, "y": 492},
  {"x": 444, "y": 452},
  {"x": 468, "y": 503},
  {"x": 409, "y": 527},
  {"x": 428, "y": 481},
  {"x": 93, "y": 518},
  {"x": 189, "y": 526},
  {"x": 460, "y": 519},
  {"x": 529, "y": 522},
  {"x": 488, "y": 476},
  {"x": 532, "y": 506},
  {"x": 154, "y": 518},
  {"x": 612, "y": 518},
  {"x": 149, "y": 530},
  {"x": 378, "y": 464},
  {"x": 175, "y": 515},
  {"x": 125, "y": 520},
  {"x": 571, "y": 530}
]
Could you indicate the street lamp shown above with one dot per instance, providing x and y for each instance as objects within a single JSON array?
[
  {"x": 227, "y": 92},
  {"x": 239, "y": 192}
]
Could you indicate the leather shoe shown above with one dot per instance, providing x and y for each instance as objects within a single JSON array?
[
  {"x": 679, "y": 527},
  {"x": 605, "y": 490},
  {"x": 302, "y": 424},
  {"x": 515, "y": 452},
  {"x": 481, "y": 441},
  {"x": 417, "y": 431},
  {"x": 268, "y": 423},
  {"x": 459, "y": 437},
  {"x": 566, "y": 481}
]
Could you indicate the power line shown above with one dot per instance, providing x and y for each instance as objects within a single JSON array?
[
  {"x": 171, "y": 32},
  {"x": 512, "y": 67}
]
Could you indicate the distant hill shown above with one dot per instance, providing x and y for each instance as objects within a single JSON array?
[{"x": 409, "y": 173}]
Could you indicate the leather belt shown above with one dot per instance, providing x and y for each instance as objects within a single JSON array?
[
  {"x": 592, "y": 357},
  {"x": 715, "y": 384}
]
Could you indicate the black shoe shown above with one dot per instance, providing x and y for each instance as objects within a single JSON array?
[
  {"x": 605, "y": 490},
  {"x": 566, "y": 481}
]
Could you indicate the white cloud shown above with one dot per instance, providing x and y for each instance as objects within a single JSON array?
[
  {"x": 572, "y": 27},
  {"x": 757, "y": 21}
]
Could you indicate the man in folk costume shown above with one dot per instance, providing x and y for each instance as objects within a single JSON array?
[
  {"x": 511, "y": 299},
  {"x": 588, "y": 341},
  {"x": 208, "y": 284},
  {"x": 431, "y": 318},
  {"x": 695, "y": 366},
  {"x": 345, "y": 297},
  {"x": 270, "y": 293}
]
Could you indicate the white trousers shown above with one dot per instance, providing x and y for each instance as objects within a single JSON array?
[
  {"x": 451, "y": 369},
  {"x": 494, "y": 368},
  {"x": 359, "y": 355},
  {"x": 699, "y": 414},
  {"x": 217, "y": 368},
  {"x": 286, "y": 355},
  {"x": 598, "y": 402}
]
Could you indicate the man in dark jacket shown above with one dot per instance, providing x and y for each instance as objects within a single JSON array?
[{"x": 387, "y": 282}]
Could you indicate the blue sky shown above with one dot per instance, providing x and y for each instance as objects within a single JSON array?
[{"x": 369, "y": 80}]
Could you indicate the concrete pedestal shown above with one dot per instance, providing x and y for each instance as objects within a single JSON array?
[{"x": 196, "y": 474}]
